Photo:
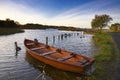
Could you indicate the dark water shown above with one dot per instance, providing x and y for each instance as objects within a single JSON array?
[{"x": 23, "y": 67}]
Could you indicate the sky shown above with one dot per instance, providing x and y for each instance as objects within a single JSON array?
[{"x": 75, "y": 13}]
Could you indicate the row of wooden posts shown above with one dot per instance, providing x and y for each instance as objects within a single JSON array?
[{"x": 66, "y": 35}]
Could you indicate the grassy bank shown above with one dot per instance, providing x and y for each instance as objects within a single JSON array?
[
  {"x": 106, "y": 58},
  {"x": 7, "y": 31}
]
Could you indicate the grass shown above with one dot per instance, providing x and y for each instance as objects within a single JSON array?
[
  {"x": 106, "y": 58},
  {"x": 105, "y": 43},
  {"x": 7, "y": 31}
]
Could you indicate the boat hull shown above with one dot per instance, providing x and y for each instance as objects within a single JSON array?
[
  {"x": 59, "y": 64},
  {"x": 56, "y": 64}
]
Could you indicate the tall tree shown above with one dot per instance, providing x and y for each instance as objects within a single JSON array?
[{"x": 100, "y": 21}]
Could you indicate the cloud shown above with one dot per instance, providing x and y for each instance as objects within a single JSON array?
[
  {"x": 82, "y": 15},
  {"x": 79, "y": 16},
  {"x": 20, "y": 12}
]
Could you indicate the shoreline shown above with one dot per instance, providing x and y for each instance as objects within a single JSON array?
[{"x": 106, "y": 58}]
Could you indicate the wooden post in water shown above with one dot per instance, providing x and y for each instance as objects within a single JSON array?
[
  {"x": 53, "y": 39},
  {"x": 62, "y": 37},
  {"x": 81, "y": 35},
  {"x": 36, "y": 41},
  {"x": 77, "y": 34},
  {"x": 65, "y": 35},
  {"x": 17, "y": 48},
  {"x": 58, "y": 37},
  {"x": 46, "y": 40}
]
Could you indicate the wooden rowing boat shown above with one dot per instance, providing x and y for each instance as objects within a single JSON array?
[{"x": 58, "y": 58}]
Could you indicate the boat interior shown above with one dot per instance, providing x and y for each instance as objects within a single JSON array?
[{"x": 57, "y": 54}]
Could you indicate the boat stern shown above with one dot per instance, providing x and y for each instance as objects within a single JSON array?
[{"x": 89, "y": 67}]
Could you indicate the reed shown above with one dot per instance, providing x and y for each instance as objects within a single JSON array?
[{"x": 7, "y": 31}]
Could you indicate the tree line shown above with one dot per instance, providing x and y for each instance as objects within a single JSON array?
[
  {"x": 8, "y": 23},
  {"x": 9, "y": 26},
  {"x": 40, "y": 26}
]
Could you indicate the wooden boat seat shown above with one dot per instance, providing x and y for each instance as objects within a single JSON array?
[
  {"x": 43, "y": 54},
  {"x": 65, "y": 58},
  {"x": 29, "y": 44},
  {"x": 38, "y": 48},
  {"x": 82, "y": 61}
]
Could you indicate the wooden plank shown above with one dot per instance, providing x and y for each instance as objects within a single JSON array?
[
  {"x": 29, "y": 44},
  {"x": 37, "y": 48},
  {"x": 83, "y": 61},
  {"x": 43, "y": 54},
  {"x": 65, "y": 58}
]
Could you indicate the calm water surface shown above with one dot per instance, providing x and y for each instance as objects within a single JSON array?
[{"x": 19, "y": 67}]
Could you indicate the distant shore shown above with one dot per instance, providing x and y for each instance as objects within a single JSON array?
[
  {"x": 40, "y": 26},
  {"x": 9, "y": 26}
]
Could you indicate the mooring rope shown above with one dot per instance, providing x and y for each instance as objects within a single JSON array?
[{"x": 42, "y": 75}]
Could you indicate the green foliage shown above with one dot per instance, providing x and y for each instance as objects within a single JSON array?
[
  {"x": 100, "y": 21},
  {"x": 9, "y": 27},
  {"x": 8, "y": 24},
  {"x": 115, "y": 27}
]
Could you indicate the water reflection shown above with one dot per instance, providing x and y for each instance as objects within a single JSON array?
[{"x": 53, "y": 73}]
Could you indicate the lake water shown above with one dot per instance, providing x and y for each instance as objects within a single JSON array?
[{"x": 23, "y": 67}]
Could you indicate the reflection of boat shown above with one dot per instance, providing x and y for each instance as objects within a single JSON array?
[
  {"x": 58, "y": 58},
  {"x": 53, "y": 73}
]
